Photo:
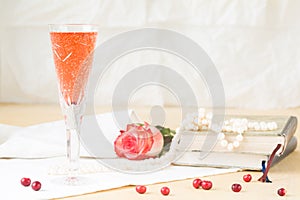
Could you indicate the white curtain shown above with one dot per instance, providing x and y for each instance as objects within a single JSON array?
[{"x": 255, "y": 45}]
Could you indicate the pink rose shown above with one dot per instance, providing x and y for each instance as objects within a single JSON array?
[{"x": 139, "y": 142}]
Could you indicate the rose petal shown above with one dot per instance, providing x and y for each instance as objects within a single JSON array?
[
  {"x": 158, "y": 143},
  {"x": 117, "y": 146},
  {"x": 129, "y": 126}
]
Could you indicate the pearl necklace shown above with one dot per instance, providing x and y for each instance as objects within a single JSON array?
[
  {"x": 234, "y": 125},
  {"x": 201, "y": 121}
]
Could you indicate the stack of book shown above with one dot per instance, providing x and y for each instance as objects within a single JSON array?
[{"x": 256, "y": 146}]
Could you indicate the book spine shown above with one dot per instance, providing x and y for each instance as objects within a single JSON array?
[{"x": 289, "y": 131}]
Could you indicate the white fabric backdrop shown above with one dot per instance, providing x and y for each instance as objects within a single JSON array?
[{"x": 255, "y": 46}]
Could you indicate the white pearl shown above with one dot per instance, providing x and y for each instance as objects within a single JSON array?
[
  {"x": 238, "y": 121},
  {"x": 195, "y": 127},
  {"x": 244, "y": 121},
  {"x": 236, "y": 144},
  {"x": 204, "y": 121},
  {"x": 226, "y": 122},
  {"x": 234, "y": 129},
  {"x": 262, "y": 123},
  {"x": 240, "y": 130},
  {"x": 228, "y": 128},
  {"x": 195, "y": 120},
  {"x": 257, "y": 127},
  {"x": 251, "y": 125},
  {"x": 230, "y": 147},
  {"x": 275, "y": 126},
  {"x": 201, "y": 115},
  {"x": 224, "y": 143},
  {"x": 263, "y": 126},
  {"x": 239, "y": 138},
  {"x": 209, "y": 115},
  {"x": 221, "y": 136},
  {"x": 270, "y": 126}
]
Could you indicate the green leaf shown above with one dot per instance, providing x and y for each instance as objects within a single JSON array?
[{"x": 165, "y": 131}]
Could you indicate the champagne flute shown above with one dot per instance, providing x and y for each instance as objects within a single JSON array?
[{"x": 73, "y": 46}]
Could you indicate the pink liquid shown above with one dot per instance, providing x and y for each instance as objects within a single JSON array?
[{"x": 72, "y": 53}]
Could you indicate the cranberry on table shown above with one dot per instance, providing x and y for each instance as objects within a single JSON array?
[
  {"x": 236, "y": 187},
  {"x": 141, "y": 189},
  {"x": 206, "y": 185},
  {"x": 197, "y": 183},
  {"x": 25, "y": 181},
  {"x": 281, "y": 192},
  {"x": 165, "y": 191},
  {"x": 247, "y": 177},
  {"x": 36, "y": 185}
]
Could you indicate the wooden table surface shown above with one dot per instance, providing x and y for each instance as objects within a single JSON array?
[{"x": 285, "y": 174}]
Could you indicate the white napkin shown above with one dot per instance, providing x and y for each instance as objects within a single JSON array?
[
  {"x": 46, "y": 144},
  {"x": 6, "y": 131},
  {"x": 47, "y": 139},
  {"x": 38, "y": 169},
  {"x": 38, "y": 141}
]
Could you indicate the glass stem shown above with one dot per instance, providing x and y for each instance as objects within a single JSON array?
[
  {"x": 73, "y": 151},
  {"x": 73, "y": 116}
]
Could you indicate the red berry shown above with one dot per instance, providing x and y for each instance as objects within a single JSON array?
[
  {"x": 141, "y": 189},
  {"x": 281, "y": 192},
  {"x": 247, "y": 177},
  {"x": 165, "y": 191},
  {"x": 36, "y": 185},
  {"x": 197, "y": 183},
  {"x": 236, "y": 187},
  {"x": 206, "y": 185},
  {"x": 25, "y": 182}
]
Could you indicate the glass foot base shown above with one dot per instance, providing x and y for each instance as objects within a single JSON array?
[
  {"x": 84, "y": 169},
  {"x": 72, "y": 181}
]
